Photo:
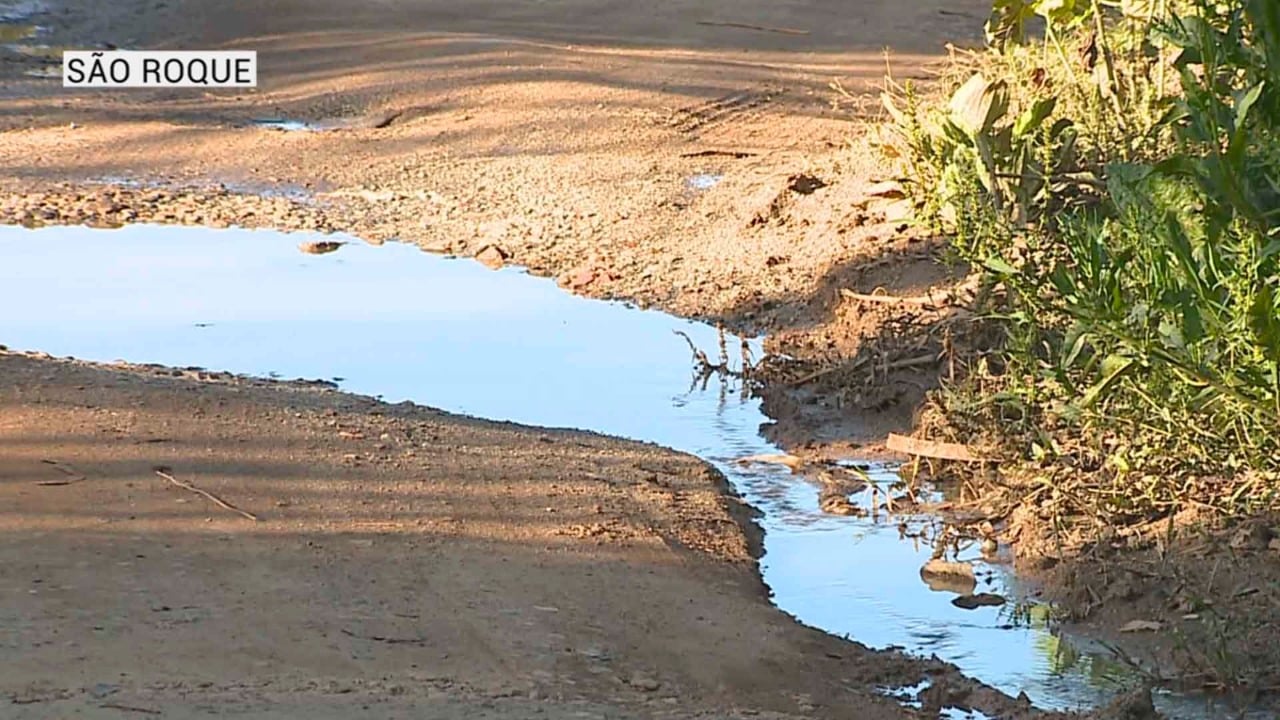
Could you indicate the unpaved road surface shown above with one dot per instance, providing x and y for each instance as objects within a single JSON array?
[
  {"x": 581, "y": 139},
  {"x": 402, "y": 559},
  {"x": 408, "y": 563}
]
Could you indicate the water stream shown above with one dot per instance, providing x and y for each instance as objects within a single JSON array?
[{"x": 399, "y": 324}]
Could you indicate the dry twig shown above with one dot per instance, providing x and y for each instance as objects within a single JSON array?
[
  {"x": 129, "y": 708},
  {"x": 163, "y": 472},
  {"x": 748, "y": 26},
  {"x": 64, "y": 469}
]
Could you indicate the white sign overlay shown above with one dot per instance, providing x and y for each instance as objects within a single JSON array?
[{"x": 159, "y": 69}]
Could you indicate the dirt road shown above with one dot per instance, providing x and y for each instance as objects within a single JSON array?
[
  {"x": 664, "y": 154},
  {"x": 400, "y": 558},
  {"x": 403, "y": 560}
]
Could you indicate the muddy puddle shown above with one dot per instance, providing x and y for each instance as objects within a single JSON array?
[{"x": 400, "y": 324}]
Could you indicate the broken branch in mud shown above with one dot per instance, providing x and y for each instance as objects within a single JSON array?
[
  {"x": 707, "y": 368},
  {"x": 164, "y": 473},
  {"x": 935, "y": 449},
  {"x": 749, "y": 26},
  {"x": 71, "y": 473},
  {"x": 698, "y": 356}
]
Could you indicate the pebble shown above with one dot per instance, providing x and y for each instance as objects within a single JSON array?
[{"x": 643, "y": 682}]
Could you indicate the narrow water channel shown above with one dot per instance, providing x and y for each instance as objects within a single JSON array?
[{"x": 399, "y": 324}]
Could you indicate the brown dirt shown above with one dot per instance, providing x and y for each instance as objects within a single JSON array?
[
  {"x": 562, "y": 134},
  {"x": 1192, "y": 602},
  {"x": 401, "y": 558},
  {"x": 558, "y": 135}
]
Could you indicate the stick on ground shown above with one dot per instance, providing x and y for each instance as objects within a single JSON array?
[
  {"x": 129, "y": 708},
  {"x": 748, "y": 26},
  {"x": 162, "y": 472},
  {"x": 73, "y": 475}
]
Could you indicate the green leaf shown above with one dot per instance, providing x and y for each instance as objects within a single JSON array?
[
  {"x": 1245, "y": 103},
  {"x": 1113, "y": 368},
  {"x": 1063, "y": 12},
  {"x": 1076, "y": 341},
  {"x": 1033, "y": 117},
  {"x": 1008, "y": 22},
  {"x": 1265, "y": 322},
  {"x": 998, "y": 265},
  {"x": 1126, "y": 184}
]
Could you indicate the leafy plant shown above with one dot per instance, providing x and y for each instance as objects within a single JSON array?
[{"x": 1119, "y": 183}]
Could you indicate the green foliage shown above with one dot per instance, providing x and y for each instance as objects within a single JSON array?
[{"x": 1126, "y": 203}]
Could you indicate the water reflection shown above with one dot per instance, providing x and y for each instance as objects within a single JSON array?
[{"x": 397, "y": 324}]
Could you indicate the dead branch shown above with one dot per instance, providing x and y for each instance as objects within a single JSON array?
[
  {"x": 163, "y": 472},
  {"x": 748, "y": 26},
  {"x": 698, "y": 356},
  {"x": 67, "y": 470},
  {"x": 129, "y": 708},
  {"x": 932, "y": 449}
]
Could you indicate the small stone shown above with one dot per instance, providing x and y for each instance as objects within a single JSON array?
[
  {"x": 643, "y": 682},
  {"x": 102, "y": 690},
  {"x": 943, "y": 576},
  {"x": 973, "y": 602},
  {"x": 492, "y": 257}
]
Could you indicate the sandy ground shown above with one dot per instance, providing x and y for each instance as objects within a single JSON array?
[
  {"x": 401, "y": 559},
  {"x": 565, "y": 136},
  {"x": 496, "y": 570}
]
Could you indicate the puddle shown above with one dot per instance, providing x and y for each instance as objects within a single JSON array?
[
  {"x": 702, "y": 181},
  {"x": 327, "y": 125},
  {"x": 285, "y": 125},
  {"x": 404, "y": 325}
]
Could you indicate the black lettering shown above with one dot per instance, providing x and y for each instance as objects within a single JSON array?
[
  {"x": 75, "y": 70},
  {"x": 198, "y": 72},
  {"x": 97, "y": 73},
  {"x": 224, "y": 77},
  {"x": 171, "y": 67},
  {"x": 119, "y": 71},
  {"x": 151, "y": 71},
  {"x": 242, "y": 72}
]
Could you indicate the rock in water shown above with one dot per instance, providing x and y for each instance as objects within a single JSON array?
[
  {"x": 943, "y": 576},
  {"x": 973, "y": 602},
  {"x": 320, "y": 248}
]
